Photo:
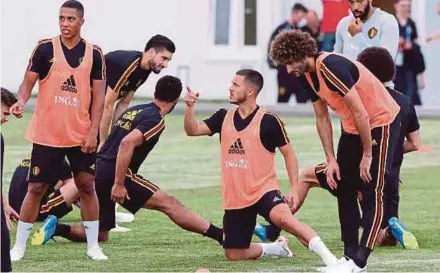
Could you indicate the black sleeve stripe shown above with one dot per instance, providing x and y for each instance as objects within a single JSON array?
[
  {"x": 155, "y": 130},
  {"x": 103, "y": 71},
  {"x": 126, "y": 74},
  {"x": 342, "y": 88},
  {"x": 283, "y": 129},
  {"x": 44, "y": 41}
]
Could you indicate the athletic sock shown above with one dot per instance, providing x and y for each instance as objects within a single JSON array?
[
  {"x": 23, "y": 232},
  {"x": 62, "y": 230},
  {"x": 362, "y": 256},
  {"x": 317, "y": 245},
  {"x": 350, "y": 250},
  {"x": 215, "y": 233},
  {"x": 272, "y": 232},
  {"x": 91, "y": 228},
  {"x": 274, "y": 249}
]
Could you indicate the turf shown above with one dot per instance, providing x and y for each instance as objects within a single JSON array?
[{"x": 189, "y": 169}]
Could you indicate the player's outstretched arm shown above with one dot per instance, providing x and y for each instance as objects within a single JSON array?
[
  {"x": 192, "y": 127},
  {"x": 412, "y": 142},
  {"x": 325, "y": 129},
  {"x": 291, "y": 162},
  {"x": 24, "y": 93},
  {"x": 125, "y": 153},
  {"x": 109, "y": 102},
  {"x": 121, "y": 106},
  {"x": 325, "y": 132},
  {"x": 362, "y": 124},
  {"x": 90, "y": 143}
]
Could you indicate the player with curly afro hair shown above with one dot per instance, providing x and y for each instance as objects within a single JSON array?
[
  {"x": 369, "y": 116},
  {"x": 292, "y": 46}
]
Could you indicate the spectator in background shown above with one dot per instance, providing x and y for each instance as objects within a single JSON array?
[
  {"x": 289, "y": 84},
  {"x": 313, "y": 27},
  {"x": 409, "y": 60},
  {"x": 334, "y": 11}
]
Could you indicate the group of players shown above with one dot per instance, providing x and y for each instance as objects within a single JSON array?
[{"x": 78, "y": 85}]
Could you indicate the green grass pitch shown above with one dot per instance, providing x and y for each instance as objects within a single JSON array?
[{"x": 188, "y": 168}]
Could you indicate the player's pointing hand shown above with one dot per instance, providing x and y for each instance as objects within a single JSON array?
[{"x": 191, "y": 97}]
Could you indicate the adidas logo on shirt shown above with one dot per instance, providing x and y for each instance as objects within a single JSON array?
[
  {"x": 237, "y": 148},
  {"x": 69, "y": 85}
]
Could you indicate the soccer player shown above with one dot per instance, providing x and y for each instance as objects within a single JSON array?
[
  {"x": 367, "y": 26},
  {"x": 370, "y": 123},
  {"x": 8, "y": 213},
  {"x": 65, "y": 122},
  {"x": 132, "y": 138},
  {"x": 249, "y": 136},
  {"x": 126, "y": 72},
  {"x": 380, "y": 63},
  {"x": 58, "y": 199}
]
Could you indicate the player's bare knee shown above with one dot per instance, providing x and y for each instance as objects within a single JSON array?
[
  {"x": 171, "y": 204},
  {"x": 86, "y": 188},
  {"x": 285, "y": 222},
  {"x": 308, "y": 176},
  {"x": 37, "y": 189}
]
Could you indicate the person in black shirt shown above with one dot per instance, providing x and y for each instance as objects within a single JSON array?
[
  {"x": 57, "y": 200},
  {"x": 7, "y": 212},
  {"x": 132, "y": 138},
  {"x": 126, "y": 72},
  {"x": 289, "y": 84},
  {"x": 379, "y": 61},
  {"x": 248, "y": 138},
  {"x": 381, "y": 64}
]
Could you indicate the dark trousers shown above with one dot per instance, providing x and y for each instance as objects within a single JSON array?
[
  {"x": 288, "y": 85},
  {"x": 6, "y": 257},
  {"x": 392, "y": 196},
  {"x": 349, "y": 158}
]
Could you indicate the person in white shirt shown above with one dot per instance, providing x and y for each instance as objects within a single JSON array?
[{"x": 367, "y": 26}]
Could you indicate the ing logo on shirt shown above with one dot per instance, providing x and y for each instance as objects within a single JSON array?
[{"x": 372, "y": 32}]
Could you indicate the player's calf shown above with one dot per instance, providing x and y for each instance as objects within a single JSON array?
[
  {"x": 182, "y": 216},
  {"x": 281, "y": 216}
]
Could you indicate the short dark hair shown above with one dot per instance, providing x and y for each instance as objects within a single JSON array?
[
  {"x": 73, "y": 4},
  {"x": 8, "y": 98},
  {"x": 379, "y": 61},
  {"x": 299, "y": 7},
  {"x": 160, "y": 42},
  {"x": 292, "y": 46},
  {"x": 252, "y": 77},
  {"x": 168, "y": 89}
]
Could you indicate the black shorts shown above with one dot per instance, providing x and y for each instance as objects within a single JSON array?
[
  {"x": 239, "y": 224},
  {"x": 52, "y": 203},
  {"x": 139, "y": 190},
  {"x": 46, "y": 163}
]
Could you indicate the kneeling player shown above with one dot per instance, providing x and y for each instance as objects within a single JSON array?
[
  {"x": 131, "y": 139},
  {"x": 58, "y": 199},
  {"x": 56, "y": 203},
  {"x": 249, "y": 136}
]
